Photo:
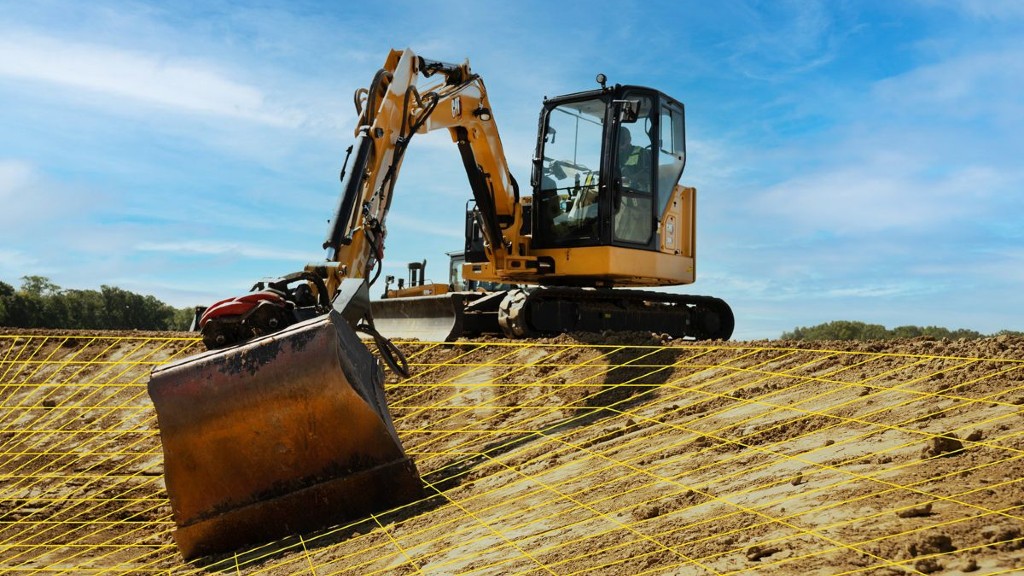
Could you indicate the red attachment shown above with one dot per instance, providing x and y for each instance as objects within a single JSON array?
[{"x": 240, "y": 306}]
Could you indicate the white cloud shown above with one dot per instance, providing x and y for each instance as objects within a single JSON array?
[
  {"x": 154, "y": 79},
  {"x": 933, "y": 149},
  {"x": 15, "y": 263},
  {"x": 212, "y": 248},
  {"x": 879, "y": 195},
  {"x": 981, "y": 84},
  {"x": 883, "y": 290},
  {"x": 786, "y": 39},
  {"x": 991, "y": 9},
  {"x": 14, "y": 175},
  {"x": 30, "y": 200}
]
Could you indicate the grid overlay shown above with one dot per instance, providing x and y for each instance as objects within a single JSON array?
[{"x": 561, "y": 457}]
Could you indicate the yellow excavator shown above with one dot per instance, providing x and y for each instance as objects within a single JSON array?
[
  {"x": 281, "y": 426},
  {"x": 416, "y": 284}
]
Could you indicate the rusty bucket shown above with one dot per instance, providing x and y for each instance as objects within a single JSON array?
[{"x": 283, "y": 434}]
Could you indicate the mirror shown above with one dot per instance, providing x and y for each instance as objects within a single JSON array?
[{"x": 628, "y": 110}]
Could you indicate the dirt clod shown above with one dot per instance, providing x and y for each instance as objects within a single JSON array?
[
  {"x": 916, "y": 511},
  {"x": 928, "y": 565},
  {"x": 1003, "y": 537},
  {"x": 756, "y": 553},
  {"x": 647, "y": 512},
  {"x": 945, "y": 445},
  {"x": 930, "y": 544},
  {"x": 975, "y": 436}
]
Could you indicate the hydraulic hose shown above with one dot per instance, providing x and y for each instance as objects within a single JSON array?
[{"x": 389, "y": 352}]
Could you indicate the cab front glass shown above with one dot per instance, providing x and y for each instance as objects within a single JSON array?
[{"x": 567, "y": 203}]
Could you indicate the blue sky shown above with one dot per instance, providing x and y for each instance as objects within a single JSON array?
[{"x": 853, "y": 160}]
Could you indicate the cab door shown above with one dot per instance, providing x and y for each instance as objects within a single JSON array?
[{"x": 568, "y": 182}]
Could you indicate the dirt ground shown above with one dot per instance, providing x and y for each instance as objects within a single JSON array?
[{"x": 572, "y": 455}]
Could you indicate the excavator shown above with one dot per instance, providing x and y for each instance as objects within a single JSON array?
[
  {"x": 416, "y": 284},
  {"x": 282, "y": 427}
]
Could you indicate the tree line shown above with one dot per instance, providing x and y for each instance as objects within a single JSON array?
[
  {"x": 849, "y": 330},
  {"x": 39, "y": 303}
]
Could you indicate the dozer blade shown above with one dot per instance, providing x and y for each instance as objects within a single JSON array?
[
  {"x": 427, "y": 318},
  {"x": 283, "y": 434}
]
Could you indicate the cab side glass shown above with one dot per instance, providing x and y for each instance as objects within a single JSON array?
[
  {"x": 633, "y": 205},
  {"x": 671, "y": 153}
]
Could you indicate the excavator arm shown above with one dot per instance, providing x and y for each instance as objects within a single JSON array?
[{"x": 392, "y": 110}]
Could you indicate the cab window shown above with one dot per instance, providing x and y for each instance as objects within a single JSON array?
[{"x": 567, "y": 207}]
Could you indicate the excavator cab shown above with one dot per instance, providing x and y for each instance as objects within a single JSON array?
[{"x": 608, "y": 162}]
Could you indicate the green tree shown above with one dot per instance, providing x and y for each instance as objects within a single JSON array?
[
  {"x": 848, "y": 330},
  {"x": 6, "y": 294},
  {"x": 183, "y": 318},
  {"x": 85, "y": 308},
  {"x": 25, "y": 310},
  {"x": 838, "y": 330},
  {"x": 39, "y": 286},
  {"x": 42, "y": 304},
  {"x": 964, "y": 333},
  {"x": 906, "y": 332}
]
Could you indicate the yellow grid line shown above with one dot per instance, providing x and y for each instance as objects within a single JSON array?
[{"x": 518, "y": 441}]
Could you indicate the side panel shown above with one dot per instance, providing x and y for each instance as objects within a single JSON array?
[
  {"x": 677, "y": 227},
  {"x": 622, "y": 266},
  {"x": 596, "y": 266}
]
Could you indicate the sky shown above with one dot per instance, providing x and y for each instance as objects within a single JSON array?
[{"x": 854, "y": 160}]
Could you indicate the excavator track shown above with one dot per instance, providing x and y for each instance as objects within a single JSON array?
[
  {"x": 524, "y": 314},
  {"x": 520, "y": 313}
]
